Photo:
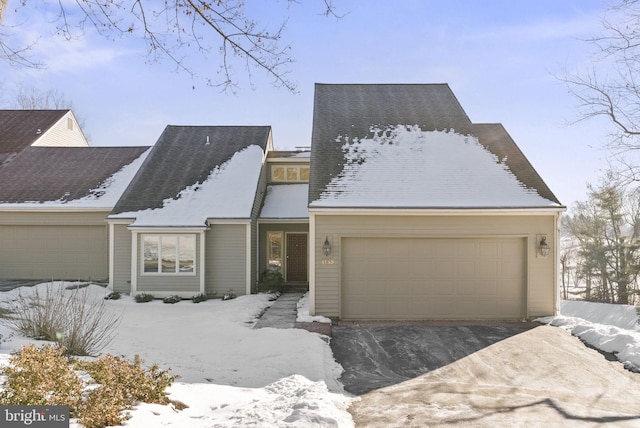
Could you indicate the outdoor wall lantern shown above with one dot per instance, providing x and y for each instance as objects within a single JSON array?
[
  {"x": 543, "y": 247},
  {"x": 326, "y": 248}
]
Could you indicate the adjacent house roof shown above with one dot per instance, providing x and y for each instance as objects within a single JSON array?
[
  {"x": 413, "y": 146},
  {"x": 195, "y": 173},
  {"x": 68, "y": 176},
  {"x": 21, "y": 128}
]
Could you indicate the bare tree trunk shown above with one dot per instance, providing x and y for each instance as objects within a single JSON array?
[{"x": 563, "y": 263}]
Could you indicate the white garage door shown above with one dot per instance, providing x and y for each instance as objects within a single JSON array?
[
  {"x": 53, "y": 252},
  {"x": 420, "y": 278}
]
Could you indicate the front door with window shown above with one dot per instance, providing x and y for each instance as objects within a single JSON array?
[{"x": 296, "y": 265}]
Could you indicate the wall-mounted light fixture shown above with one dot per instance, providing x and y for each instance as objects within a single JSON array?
[
  {"x": 543, "y": 247},
  {"x": 326, "y": 248}
]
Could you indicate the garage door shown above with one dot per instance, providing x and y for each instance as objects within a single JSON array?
[
  {"x": 407, "y": 278},
  {"x": 58, "y": 252}
]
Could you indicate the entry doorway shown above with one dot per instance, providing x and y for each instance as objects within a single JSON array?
[{"x": 297, "y": 257}]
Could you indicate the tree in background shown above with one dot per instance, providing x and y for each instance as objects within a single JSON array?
[
  {"x": 172, "y": 29},
  {"x": 605, "y": 230},
  {"x": 609, "y": 87},
  {"x": 34, "y": 99}
]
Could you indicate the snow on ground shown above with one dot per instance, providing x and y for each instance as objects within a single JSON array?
[
  {"x": 610, "y": 328},
  {"x": 233, "y": 375},
  {"x": 230, "y": 374}
]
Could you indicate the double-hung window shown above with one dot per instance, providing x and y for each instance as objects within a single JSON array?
[{"x": 169, "y": 254}]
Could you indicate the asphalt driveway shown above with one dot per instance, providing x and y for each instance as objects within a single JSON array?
[
  {"x": 379, "y": 354},
  {"x": 481, "y": 376}
]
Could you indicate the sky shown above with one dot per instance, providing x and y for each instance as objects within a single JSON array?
[{"x": 501, "y": 58}]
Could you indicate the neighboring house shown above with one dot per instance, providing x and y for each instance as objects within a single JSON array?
[
  {"x": 53, "y": 205},
  {"x": 55, "y": 193},
  {"x": 187, "y": 224},
  {"x": 46, "y": 128},
  {"x": 417, "y": 213}
]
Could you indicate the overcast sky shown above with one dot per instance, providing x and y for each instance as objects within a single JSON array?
[{"x": 499, "y": 57}]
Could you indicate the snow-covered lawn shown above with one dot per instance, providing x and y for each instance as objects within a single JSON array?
[
  {"x": 234, "y": 375},
  {"x": 610, "y": 328},
  {"x": 230, "y": 374}
]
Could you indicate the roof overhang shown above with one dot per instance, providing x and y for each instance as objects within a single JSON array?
[
  {"x": 283, "y": 220},
  {"x": 440, "y": 211},
  {"x": 52, "y": 209}
]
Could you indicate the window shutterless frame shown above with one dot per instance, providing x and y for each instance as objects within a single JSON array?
[{"x": 168, "y": 254}]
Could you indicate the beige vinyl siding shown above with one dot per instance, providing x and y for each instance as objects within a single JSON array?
[
  {"x": 539, "y": 280},
  {"x": 160, "y": 285},
  {"x": 53, "y": 245},
  {"x": 226, "y": 259},
  {"x": 65, "y": 133},
  {"x": 121, "y": 258}
]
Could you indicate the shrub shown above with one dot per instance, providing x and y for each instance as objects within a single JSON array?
[
  {"x": 41, "y": 377},
  {"x": 114, "y": 295},
  {"x": 143, "y": 297},
  {"x": 199, "y": 298},
  {"x": 44, "y": 376},
  {"x": 172, "y": 299},
  {"x": 81, "y": 325},
  {"x": 122, "y": 384},
  {"x": 272, "y": 281}
]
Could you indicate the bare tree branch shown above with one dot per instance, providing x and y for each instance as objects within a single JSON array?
[{"x": 173, "y": 29}]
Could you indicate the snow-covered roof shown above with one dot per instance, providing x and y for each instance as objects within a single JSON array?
[
  {"x": 195, "y": 173},
  {"x": 68, "y": 177},
  {"x": 286, "y": 201},
  {"x": 413, "y": 146},
  {"x": 228, "y": 192},
  {"x": 404, "y": 166}
]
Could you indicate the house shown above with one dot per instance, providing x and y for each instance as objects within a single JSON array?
[
  {"x": 55, "y": 192},
  {"x": 187, "y": 223},
  {"x": 415, "y": 212},
  {"x": 402, "y": 209},
  {"x": 38, "y": 128}
]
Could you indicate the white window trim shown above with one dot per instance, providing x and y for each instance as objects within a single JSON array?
[{"x": 177, "y": 272}]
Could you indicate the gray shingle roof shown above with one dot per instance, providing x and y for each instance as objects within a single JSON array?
[
  {"x": 41, "y": 174},
  {"x": 21, "y": 128},
  {"x": 350, "y": 111},
  {"x": 184, "y": 156}
]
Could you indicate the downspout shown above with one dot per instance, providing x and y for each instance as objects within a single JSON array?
[
  {"x": 312, "y": 264},
  {"x": 111, "y": 256},
  {"x": 248, "y": 259},
  {"x": 134, "y": 263},
  {"x": 556, "y": 261}
]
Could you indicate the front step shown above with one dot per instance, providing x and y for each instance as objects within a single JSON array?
[{"x": 296, "y": 287}]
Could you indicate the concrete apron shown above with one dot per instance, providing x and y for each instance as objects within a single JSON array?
[{"x": 540, "y": 377}]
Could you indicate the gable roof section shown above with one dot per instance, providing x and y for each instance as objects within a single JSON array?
[
  {"x": 194, "y": 173},
  {"x": 68, "y": 176},
  {"x": 413, "y": 146},
  {"x": 21, "y": 128}
]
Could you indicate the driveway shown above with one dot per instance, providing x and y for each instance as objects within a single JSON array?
[{"x": 481, "y": 375}]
